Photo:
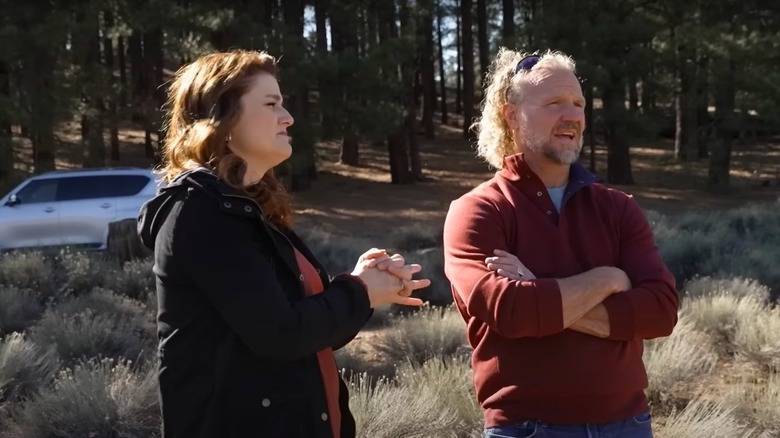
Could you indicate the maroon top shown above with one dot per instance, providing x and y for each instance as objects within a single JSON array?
[
  {"x": 330, "y": 375},
  {"x": 526, "y": 366}
]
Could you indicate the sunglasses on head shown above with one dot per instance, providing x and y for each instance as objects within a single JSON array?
[{"x": 527, "y": 63}]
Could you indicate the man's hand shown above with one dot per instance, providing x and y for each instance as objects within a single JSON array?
[
  {"x": 509, "y": 266},
  {"x": 594, "y": 323}
]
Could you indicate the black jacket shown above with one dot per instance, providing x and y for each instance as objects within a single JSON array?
[{"x": 238, "y": 340}]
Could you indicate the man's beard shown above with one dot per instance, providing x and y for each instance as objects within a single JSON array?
[{"x": 543, "y": 143}]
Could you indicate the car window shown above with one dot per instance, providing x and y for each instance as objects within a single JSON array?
[
  {"x": 82, "y": 187},
  {"x": 38, "y": 191},
  {"x": 126, "y": 185}
]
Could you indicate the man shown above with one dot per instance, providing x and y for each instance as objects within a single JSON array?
[{"x": 557, "y": 338}]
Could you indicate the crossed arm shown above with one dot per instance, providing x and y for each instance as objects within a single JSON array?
[{"x": 595, "y": 319}]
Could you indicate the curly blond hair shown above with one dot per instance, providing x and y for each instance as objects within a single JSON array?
[{"x": 495, "y": 141}]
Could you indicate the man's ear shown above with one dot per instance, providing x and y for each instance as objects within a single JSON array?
[{"x": 510, "y": 115}]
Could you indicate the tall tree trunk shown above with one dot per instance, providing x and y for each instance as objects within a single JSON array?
[
  {"x": 326, "y": 80},
  {"x": 153, "y": 96},
  {"x": 633, "y": 95},
  {"x": 529, "y": 13},
  {"x": 113, "y": 117},
  {"x": 320, "y": 20},
  {"x": 702, "y": 104},
  {"x": 410, "y": 124},
  {"x": 679, "y": 141},
  {"x": 646, "y": 95},
  {"x": 508, "y": 23},
  {"x": 691, "y": 124},
  {"x": 92, "y": 120},
  {"x": 414, "y": 146},
  {"x": 685, "y": 142},
  {"x": 679, "y": 122},
  {"x": 679, "y": 100},
  {"x": 468, "y": 68},
  {"x": 614, "y": 107},
  {"x": 648, "y": 105},
  {"x": 345, "y": 44},
  {"x": 372, "y": 30},
  {"x": 158, "y": 59},
  {"x": 7, "y": 158},
  {"x": 409, "y": 79},
  {"x": 591, "y": 136},
  {"x": 459, "y": 69},
  {"x": 482, "y": 39},
  {"x": 442, "y": 77},
  {"x": 120, "y": 51},
  {"x": 137, "y": 79},
  {"x": 39, "y": 76},
  {"x": 397, "y": 139},
  {"x": 273, "y": 10},
  {"x": 428, "y": 79},
  {"x": 725, "y": 126},
  {"x": 272, "y": 38},
  {"x": 350, "y": 149},
  {"x": 399, "y": 161},
  {"x": 303, "y": 167}
]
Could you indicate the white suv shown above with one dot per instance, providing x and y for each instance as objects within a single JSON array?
[{"x": 72, "y": 207}]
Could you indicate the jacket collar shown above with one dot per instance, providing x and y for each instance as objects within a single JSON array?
[{"x": 233, "y": 201}]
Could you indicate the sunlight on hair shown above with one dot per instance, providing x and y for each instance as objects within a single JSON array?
[
  {"x": 203, "y": 106},
  {"x": 503, "y": 86}
]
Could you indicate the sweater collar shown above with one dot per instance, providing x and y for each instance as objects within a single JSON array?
[
  {"x": 516, "y": 169},
  {"x": 520, "y": 174}
]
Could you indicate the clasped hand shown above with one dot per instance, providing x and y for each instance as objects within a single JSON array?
[{"x": 389, "y": 279}]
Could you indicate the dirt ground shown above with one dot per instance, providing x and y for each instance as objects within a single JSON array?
[{"x": 360, "y": 201}]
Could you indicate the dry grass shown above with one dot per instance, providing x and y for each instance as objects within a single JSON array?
[
  {"x": 24, "y": 367},
  {"x": 19, "y": 308},
  {"x": 757, "y": 338},
  {"x": 682, "y": 357},
  {"x": 735, "y": 286},
  {"x": 27, "y": 270},
  {"x": 94, "y": 399},
  {"x": 758, "y": 399},
  {"x": 702, "y": 419},
  {"x": 720, "y": 314},
  {"x": 738, "y": 314},
  {"x": 386, "y": 409},
  {"x": 133, "y": 279},
  {"x": 451, "y": 379},
  {"x": 422, "y": 335},
  {"x": 98, "y": 323}
]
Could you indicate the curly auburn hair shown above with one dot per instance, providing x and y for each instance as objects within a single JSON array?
[
  {"x": 503, "y": 86},
  {"x": 204, "y": 103}
]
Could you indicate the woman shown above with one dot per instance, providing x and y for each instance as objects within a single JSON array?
[{"x": 248, "y": 318}]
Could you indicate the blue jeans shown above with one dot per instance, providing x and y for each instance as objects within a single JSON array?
[{"x": 636, "y": 427}]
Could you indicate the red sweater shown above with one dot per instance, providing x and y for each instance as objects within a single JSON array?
[{"x": 526, "y": 365}]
